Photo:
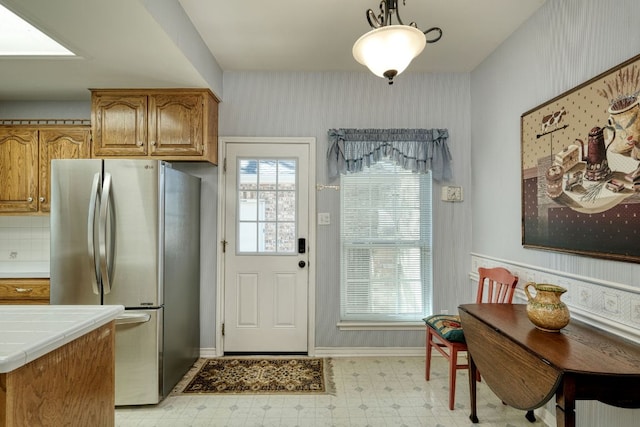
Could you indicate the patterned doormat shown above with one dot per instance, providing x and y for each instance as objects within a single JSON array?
[{"x": 258, "y": 375}]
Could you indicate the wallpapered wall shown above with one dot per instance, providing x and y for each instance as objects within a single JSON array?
[
  {"x": 309, "y": 104},
  {"x": 285, "y": 104},
  {"x": 563, "y": 45}
]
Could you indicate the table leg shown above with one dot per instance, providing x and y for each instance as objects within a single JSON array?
[
  {"x": 530, "y": 416},
  {"x": 566, "y": 403},
  {"x": 473, "y": 374}
]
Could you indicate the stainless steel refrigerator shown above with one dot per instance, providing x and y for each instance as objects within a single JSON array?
[{"x": 128, "y": 232}]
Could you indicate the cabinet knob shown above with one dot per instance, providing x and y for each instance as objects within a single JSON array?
[
  {"x": 41, "y": 199},
  {"x": 139, "y": 143},
  {"x": 152, "y": 143},
  {"x": 30, "y": 199}
]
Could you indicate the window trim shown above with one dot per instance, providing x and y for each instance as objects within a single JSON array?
[{"x": 401, "y": 325}]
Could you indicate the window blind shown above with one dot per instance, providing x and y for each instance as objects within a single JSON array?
[{"x": 385, "y": 237}]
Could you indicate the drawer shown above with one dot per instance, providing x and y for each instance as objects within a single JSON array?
[{"x": 24, "y": 291}]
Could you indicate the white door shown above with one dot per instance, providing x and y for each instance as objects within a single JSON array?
[{"x": 266, "y": 256}]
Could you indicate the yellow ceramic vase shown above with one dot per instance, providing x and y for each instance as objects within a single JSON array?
[{"x": 545, "y": 310}]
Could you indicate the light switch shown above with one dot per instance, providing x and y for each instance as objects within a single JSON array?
[
  {"x": 324, "y": 218},
  {"x": 451, "y": 194}
]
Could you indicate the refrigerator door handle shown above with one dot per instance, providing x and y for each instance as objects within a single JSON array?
[
  {"x": 106, "y": 246},
  {"x": 129, "y": 318},
  {"x": 91, "y": 220}
]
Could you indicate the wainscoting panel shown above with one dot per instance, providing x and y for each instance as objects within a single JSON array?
[{"x": 614, "y": 307}]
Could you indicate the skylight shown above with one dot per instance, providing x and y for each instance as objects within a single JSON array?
[{"x": 19, "y": 38}]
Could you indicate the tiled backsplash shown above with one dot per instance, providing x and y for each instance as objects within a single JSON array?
[
  {"x": 608, "y": 305},
  {"x": 24, "y": 239}
]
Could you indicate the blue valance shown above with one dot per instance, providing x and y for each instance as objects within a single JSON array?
[{"x": 418, "y": 150}]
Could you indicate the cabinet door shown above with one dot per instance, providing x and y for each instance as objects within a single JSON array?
[
  {"x": 119, "y": 124},
  {"x": 18, "y": 170},
  {"x": 59, "y": 143},
  {"x": 176, "y": 124}
]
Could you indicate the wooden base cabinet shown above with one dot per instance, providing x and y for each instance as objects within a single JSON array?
[
  {"x": 73, "y": 385},
  {"x": 25, "y": 162},
  {"x": 165, "y": 124},
  {"x": 24, "y": 291}
]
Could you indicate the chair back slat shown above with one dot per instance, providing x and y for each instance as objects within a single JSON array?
[{"x": 498, "y": 284}]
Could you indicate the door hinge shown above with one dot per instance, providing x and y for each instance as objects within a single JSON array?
[
  {"x": 224, "y": 246},
  {"x": 223, "y": 329},
  {"x": 224, "y": 165}
]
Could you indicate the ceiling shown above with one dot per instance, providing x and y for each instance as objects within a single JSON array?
[{"x": 137, "y": 43}]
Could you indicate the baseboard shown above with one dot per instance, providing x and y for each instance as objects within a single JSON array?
[
  {"x": 368, "y": 351},
  {"x": 208, "y": 352}
]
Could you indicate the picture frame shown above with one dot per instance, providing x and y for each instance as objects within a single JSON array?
[{"x": 580, "y": 164}]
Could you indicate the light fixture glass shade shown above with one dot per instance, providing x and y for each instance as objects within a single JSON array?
[{"x": 392, "y": 47}]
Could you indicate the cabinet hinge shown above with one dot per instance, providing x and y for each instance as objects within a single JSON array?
[{"x": 223, "y": 329}]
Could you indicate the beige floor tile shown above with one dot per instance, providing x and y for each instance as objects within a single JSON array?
[{"x": 370, "y": 392}]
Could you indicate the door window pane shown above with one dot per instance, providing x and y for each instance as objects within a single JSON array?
[
  {"x": 267, "y": 200},
  {"x": 248, "y": 237}
]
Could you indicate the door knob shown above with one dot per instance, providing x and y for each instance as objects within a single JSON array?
[{"x": 301, "y": 264}]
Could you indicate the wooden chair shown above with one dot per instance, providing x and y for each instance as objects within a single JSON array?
[{"x": 444, "y": 332}]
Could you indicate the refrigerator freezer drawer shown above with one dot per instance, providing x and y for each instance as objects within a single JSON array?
[{"x": 138, "y": 346}]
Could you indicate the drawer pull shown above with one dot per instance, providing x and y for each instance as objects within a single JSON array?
[{"x": 24, "y": 290}]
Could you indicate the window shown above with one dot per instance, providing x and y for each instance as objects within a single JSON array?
[
  {"x": 267, "y": 206},
  {"x": 385, "y": 235}
]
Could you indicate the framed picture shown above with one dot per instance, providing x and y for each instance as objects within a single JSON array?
[{"x": 581, "y": 168}]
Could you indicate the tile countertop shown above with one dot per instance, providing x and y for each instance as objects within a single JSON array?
[
  {"x": 24, "y": 270},
  {"x": 29, "y": 332}
]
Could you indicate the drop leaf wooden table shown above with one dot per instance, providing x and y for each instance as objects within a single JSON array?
[{"x": 525, "y": 366}]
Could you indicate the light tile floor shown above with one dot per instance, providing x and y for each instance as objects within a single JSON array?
[{"x": 370, "y": 392}]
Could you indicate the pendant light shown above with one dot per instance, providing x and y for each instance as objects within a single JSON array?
[{"x": 388, "y": 49}]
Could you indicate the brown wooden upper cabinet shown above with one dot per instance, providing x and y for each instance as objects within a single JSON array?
[
  {"x": 167, "y": 124},
  {"x": 26, "y": 152}
]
